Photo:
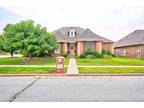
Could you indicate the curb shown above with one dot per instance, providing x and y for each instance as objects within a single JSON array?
[{"x": 66, "y": 75}]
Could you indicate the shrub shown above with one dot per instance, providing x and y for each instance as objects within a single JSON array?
[
  {"x": 65, "y": 55},
  {"x": 82, "y": 56},
  {"x": 90, "y": 54}
]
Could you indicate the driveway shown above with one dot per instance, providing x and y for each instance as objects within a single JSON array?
[{"x": 72, "y": 89}]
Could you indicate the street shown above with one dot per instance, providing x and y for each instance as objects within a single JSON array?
[{"x": 72, "y": 89}]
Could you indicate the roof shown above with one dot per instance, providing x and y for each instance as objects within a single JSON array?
[
  {"x": 134, "y": 38},
  {"x": 81, "y": 35}
]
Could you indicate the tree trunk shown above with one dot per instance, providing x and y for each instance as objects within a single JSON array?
[
  {"x": 30, "y": 55},
  {"x": 11, "y": 54}
]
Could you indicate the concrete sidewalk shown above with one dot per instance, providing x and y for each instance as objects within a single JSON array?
[
  {"x": 71, "y": 75},
  {"x": 72, "y": 67}
]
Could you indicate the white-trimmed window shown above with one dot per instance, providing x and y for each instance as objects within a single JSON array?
[{"x": 72, "y": 33}]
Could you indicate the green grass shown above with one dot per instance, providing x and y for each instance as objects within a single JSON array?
[
  {"x": 110, "y": 70},
  {"x": 112, "y": 62},
  {"x": 24, "y": 61},
  {"x": 27, "y": 70}
]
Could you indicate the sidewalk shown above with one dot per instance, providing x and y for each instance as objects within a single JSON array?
[
  {"x": 72, "y": 75},
  {"x": 72, "y": 67}
]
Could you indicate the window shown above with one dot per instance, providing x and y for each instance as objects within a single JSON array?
[
  {"x": 72, "y": 33},
  {"x": 89, "y": 45},
  {"x": 57, "y": 51}
]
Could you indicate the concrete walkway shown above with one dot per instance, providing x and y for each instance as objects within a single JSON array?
[{"x": 72, "y": 67}]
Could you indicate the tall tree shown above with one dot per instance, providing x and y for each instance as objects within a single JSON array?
[{"x": 29, "y": 37}]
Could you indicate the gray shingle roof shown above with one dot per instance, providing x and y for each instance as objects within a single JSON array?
[
  {"x": 134, "y": 38},
  {"x": 88, "y": 35},
  {"x": 81, "y": 35}
]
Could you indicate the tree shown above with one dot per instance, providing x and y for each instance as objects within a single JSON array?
[
  {"x": 30, "y": 38},
  {"x": 1, "y": 43},
  {"x": 11, "y": 39}
]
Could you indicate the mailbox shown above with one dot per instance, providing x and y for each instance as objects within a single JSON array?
[{"x": 60, "y": 64}]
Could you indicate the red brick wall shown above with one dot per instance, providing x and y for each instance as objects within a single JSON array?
[
  {"x": 142, "y": 51},
  {"x": 97, "y": 45},
  {"x": 84, "y": 46},
  {"x": 131, "y": 51},
  {"x": 81, "y": 47},
  {"x": 108, "y": 47}
]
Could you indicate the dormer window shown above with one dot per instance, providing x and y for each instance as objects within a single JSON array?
[{"x": 72, "y": 33}]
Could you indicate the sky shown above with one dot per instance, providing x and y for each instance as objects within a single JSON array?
[{"x": 112, "y": 19}]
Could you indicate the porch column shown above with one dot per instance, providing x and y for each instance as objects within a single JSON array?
[
  {"x": 78, "y": 48},
  {"x": 65, "y": 48}
]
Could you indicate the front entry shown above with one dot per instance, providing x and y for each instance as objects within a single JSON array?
[{"x": 72, "y": 49}]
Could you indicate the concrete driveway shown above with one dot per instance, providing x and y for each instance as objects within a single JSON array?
[{"x": 72, "y": 89}]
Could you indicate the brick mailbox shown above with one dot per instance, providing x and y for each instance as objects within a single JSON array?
[{"x": 60, "y": 64}]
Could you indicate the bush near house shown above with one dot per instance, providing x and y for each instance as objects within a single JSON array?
[{"x": 90, "y": 54}]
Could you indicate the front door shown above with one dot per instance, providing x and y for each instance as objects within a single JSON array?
[{"x": 72, "y": 49}]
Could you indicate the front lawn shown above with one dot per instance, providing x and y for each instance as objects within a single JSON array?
[
  {"x": 110, "y": 70},
  {"x": 111, "y": 62},
  {"x": 25, "y": 61},
  {"x": 25, "y": 70},
  {"x": 29, "y": 70}
]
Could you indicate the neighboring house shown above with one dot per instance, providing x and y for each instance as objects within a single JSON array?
[
  {"x": 76, "y": 40},
  {"x": 131, "y": 46}
]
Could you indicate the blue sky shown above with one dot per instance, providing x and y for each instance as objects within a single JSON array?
[
  {"x": 113, "y": 20},
  {"x": 7, "y": 17}
]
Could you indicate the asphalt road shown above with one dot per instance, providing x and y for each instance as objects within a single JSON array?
[{"x": 73, "y": 89}]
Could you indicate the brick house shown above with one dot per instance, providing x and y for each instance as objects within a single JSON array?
[
  {"x": 131, "y": 46},
  {"x": 76, "y": 40}
]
